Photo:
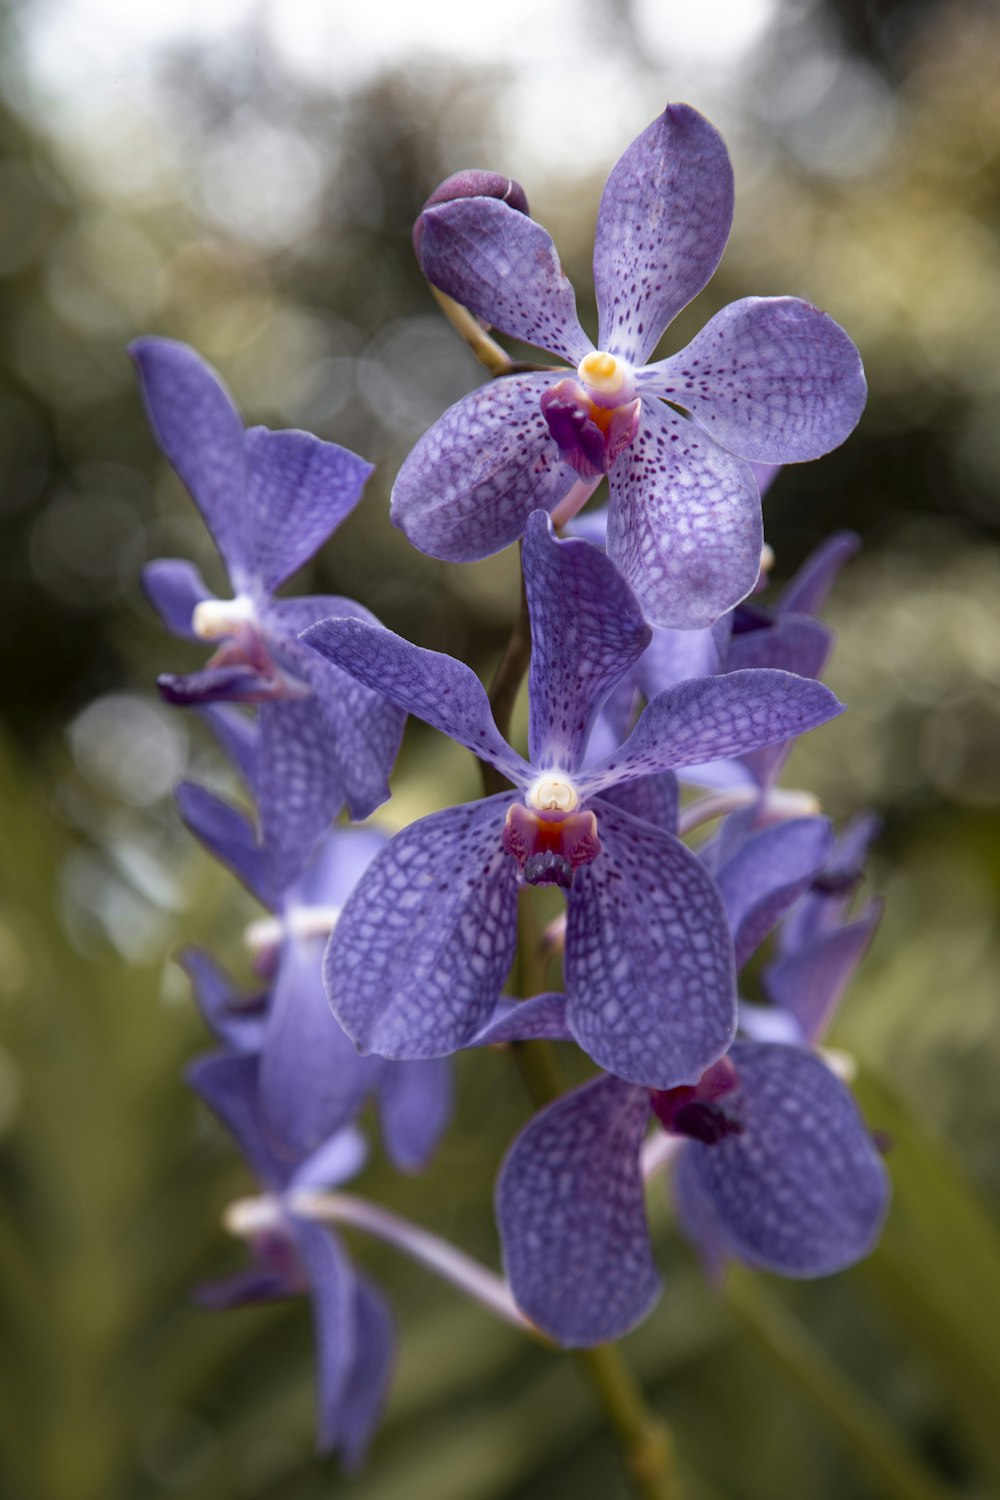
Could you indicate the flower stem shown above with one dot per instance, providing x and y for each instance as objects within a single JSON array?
[{"x": 504, "y": 688}]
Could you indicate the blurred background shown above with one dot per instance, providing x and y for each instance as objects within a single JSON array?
[{"x": 243, "y": 174}]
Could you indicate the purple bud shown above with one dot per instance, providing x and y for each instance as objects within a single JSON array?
[{"x": 472, "y": 183}]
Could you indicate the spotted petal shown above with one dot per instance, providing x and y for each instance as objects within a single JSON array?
[
  {"x": 801, "y": 1188},
  {"x": 662, "y": 226},
  {"x": 586, "y": 631},
  {"x": 417, "y": 961},
  {"x": 771, "y": 378},
  {"x": 649, "y": 959},
  {"x": 684, "y": 526},
  {"x": 471, "y": 482},
  {"x": 504, "y": 267},
  {"x": 572, "y": 1215}
]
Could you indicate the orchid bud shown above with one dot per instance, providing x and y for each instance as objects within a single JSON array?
[{"x": 472, "y": 183}]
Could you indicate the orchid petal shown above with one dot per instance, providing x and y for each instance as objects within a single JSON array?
[
  {"x": 768, "y": 873},
  {"x": 235, "y": 1018},
  {"x": 806, "y": 592},
  {"x": 332, "y": 1285},
  {"x": 543, "y": 1016},
  {"x": 370, "y": 1373},
  {"x": 810, "y": 982},
  {"x": 415, "y": 1106},
  {"x": 229, "y": 836},
  {"x": 174, "y": 588}
]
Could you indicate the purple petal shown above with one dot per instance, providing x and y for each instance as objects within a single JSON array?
[
  {"x": 649, "y": 959},
  {"x": 228, "y": 1084},
  {"x": 174, "y": 587},
  {"x": 415, "y": 1106},
  {"x": 229, "y": 836},
  {"x": 298, "y": 491},
  {"x": 661, "y": 229},
  {"x": 543, "y": 1016},
  {"x": 299, "y": 785},
  {"x": 586, "y": 631},
  {"x": 200, "y": 432},
  {"x": 235, "y": 1018},
  {"x": 654, "y": 799},
  {"x": 826, "y": 906},
  {"x": 438, "y": 689},
  {"x": 338, "y": 865},
  {"x": 714, "y": 718},
  {"x": 684, "y": 525},
  {"x": 503, "y": 266},
  {"x": 792, "y": 643},
  {"x": 676, "y": 656},
  {"x": 364, "y": 729},
  {"x": 572, "y": 1215},
  {"x": 336, "y": 1161},
  {"x": 238, "y": 683},
  {"x": 765, "y": 475},
  {"x": 370, "y": 1373},
  {"x": 469, "y": 485},
  {"x": 771, "y": 378},
  {"x": 810, "y": 982},
  {"x": 699, "y": 1221},
  {"x": 242, "y": 1289},
  {"x": 312, "y": 1081},
  {"x": 333, "y": 1288},
  {"x": 768, "y": 873},
  {"x": 237, "y": 733},
  {"x": 420, "y": 954},
  {"x": 806, "y": 592},
  {"x": 801, "y": 1189}
]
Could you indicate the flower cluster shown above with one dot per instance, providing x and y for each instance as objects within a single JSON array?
[{"x": 653, "y": 663}]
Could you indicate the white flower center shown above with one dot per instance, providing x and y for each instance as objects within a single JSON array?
[
  {"x": 603, "y": 372},
  {"x": 214, "y": 618},
  {"x": 249, "y": 1216},
  {"x": 553, "y": 792}
]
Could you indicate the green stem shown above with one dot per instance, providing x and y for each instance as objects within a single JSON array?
[
  {"x": 895, "y": 1473},
  {"x": 487, "y": 350}
]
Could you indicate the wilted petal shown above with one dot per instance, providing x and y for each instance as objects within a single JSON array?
[
  {"x": 234, "y": 1017},
  {"x": 312, "y": 1081},
  {"x": 715, "y": 718},
  {"x": 333, "y": 1288},
  {"x": 771, "y": 378},
  {"x": 438, "y": 689},
  {"x": 415, "y": 1105},
  {"x": 471, "y": 482},
  {"x": 229, "y": 836},
  {"x": 810, "y": 982},
  {"x": 806, "y": 592},
  {"x": 768, "y": 873},
  {"x": 299, "y": 489},
  {"x": 503, "y": 266},
  {"x": 370, "y": 1373},
  {"x": 662, "y": 226},
  {"x": 200, "y": 432},
  {"x": 649, "y": 959},
  {"x": 572, "y": 1215},
  {"x": 586, "y": 631},
  {"x": 684, "y": 525},
  {"x": 174, "y": 587},
  {"x": 801, "y": 1189},
  {"x": 420, "y": 954}
]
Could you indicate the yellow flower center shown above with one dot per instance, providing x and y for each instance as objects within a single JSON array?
[{"x": 602, "y": 372}]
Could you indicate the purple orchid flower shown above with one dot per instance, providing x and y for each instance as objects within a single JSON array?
[
  {"x": 355, "y": 1340},
  {"x": 421, "y": 952},
  {"x": 312, "y": 1079},
  {"x": 269, "y": 500},
  {"x": 775, "y": 1166},
  {"x": 770, "y": 380}
]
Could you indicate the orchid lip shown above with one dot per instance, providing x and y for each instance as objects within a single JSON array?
[
  {"x": 552, "y": 792},
  {"x": 212, "y": 619}
]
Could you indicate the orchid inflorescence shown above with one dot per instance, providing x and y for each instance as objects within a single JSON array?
[{"x": 653, "y": 663}]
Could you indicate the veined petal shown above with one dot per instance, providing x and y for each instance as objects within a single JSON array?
[
  {"x": 420, "y": 954},
  {"x": 801, "y": 1188},
  {"x": 768, "y": 873},
  {"x": 662, "y": 226},
  {"x": 370, "y": 1373},
  {"x": 793, "y": 643},
  {"x": 713, "y": 718},
  {"x": 469, "y": 485},
  {"x": 503, "y": 266},
  {"x": 440, "y": 690},
  {"x": 299, "y": 489},
  {"x": 649, "y": 959},
  {"x": 415, "y": 1106},
  {"x": 771, "y": 378},
  {"x": 586, "y": 631},
  {"x": 654, "y": 799},
  {"x": 572, "y": 1215},
  {"x": 684, "y": 526},
  {"x": 174, "y": 587},
  {"x": 299, "y": 785},
  {"x": 200, "y": 432},
  {"x": 543, "y": 1016}
]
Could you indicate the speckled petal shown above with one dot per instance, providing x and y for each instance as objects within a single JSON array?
[
  {"x": 503, "y": 266},
  {"x": 801, "y": 1189},
  {"x": 469, "y": 485},
  {"x": 200, "y": 432},
  {"x": 332, "y": 1286},
  {"x": 371, "y": 1371},
  {"x": 793, "y": 643},
  {"x": 174, "y": 587},
  {"x": 438, "y": 689},
  {"x": 299, "y": 489},
  {"x": 649, "y": 959},
  {"x": 418, "y": 959},
  {"x": 661, "y": 229},
  {"x": 684, "y": 525},
  {"x": 768, "y": 873},
  {"x": 586, "y": 631},
  {"x": 714, "y": 718},
  {"x": 415, "y": 1106},
  {"x": 572, "y": 1215},
  {"x": 771, "y": 378}
]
